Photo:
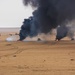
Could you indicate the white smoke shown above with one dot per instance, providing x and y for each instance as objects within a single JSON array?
[
  {"x": 71, "y": 29},
  {"x": 12, "y": 38}
]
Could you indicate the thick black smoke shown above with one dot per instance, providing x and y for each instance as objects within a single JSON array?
[
  {"x": 29, "y": 28},
  {"x": 62, "y": 31},
  {"x": 50, "y": 13}
]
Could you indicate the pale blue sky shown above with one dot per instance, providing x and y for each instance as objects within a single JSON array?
[{"x": 12, "y": 13}]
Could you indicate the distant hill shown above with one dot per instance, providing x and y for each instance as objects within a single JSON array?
[{"x": 9, "y": 29}]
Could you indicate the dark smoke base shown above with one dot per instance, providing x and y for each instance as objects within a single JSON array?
[{"x": 49, "y": 14}]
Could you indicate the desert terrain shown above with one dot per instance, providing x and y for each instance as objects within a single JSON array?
[{"x": 36, "y": 57}]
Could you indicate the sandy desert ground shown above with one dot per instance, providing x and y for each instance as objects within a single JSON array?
[{"x": 37, "y": 58}]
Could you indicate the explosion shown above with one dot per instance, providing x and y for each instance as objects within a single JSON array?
[{"x": 48, "y": 15}]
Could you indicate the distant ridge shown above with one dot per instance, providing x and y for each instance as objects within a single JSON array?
[{"x": 10, "y": 29}]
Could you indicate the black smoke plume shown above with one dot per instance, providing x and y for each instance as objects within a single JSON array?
[
  {"x": 29, "y": 28},
  {"x": 62, "y": 31},
  {"x": 48, "y": 15}
]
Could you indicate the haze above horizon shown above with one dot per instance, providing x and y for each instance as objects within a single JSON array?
[{"x": 12, "y": 13}]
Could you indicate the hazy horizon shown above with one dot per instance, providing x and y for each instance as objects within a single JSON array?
[{"x": 5, "y": 30}]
